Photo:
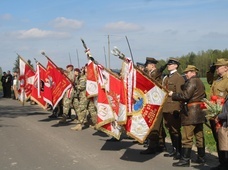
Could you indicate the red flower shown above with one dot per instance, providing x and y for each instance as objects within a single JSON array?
[{"x": 203, "y": 106}]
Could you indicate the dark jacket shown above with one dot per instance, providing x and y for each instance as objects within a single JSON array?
[
  {"x": 193, "y": 91},
  {"x": 223, "y": 116}
]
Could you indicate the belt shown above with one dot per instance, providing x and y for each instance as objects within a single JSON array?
[{"x": 194, "y": 103}]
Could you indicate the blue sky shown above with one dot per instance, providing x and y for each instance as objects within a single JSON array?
[{"x": 154, "y": 28}]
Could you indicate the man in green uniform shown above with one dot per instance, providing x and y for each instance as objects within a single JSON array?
[
  {"x": 171, "y": 109},
  {"x": 86, "y": 105},
  {"x": 68, "y": 96},
  {"x": 75, "y": 102}
]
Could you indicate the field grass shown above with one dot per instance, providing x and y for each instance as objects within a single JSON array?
[{"x": 209, "y": 139}]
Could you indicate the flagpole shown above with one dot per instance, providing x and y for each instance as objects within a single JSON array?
[
  {"x": 70, "y": 58},
  {"x": 43, "y": 53},
  {"x": 108, "y": 52},
  {"x": 130, "y": 49},
  {"x": 78, "y": 58},
  {"x": 105, "y": 58},
  {"x": 87, "y": 50}
]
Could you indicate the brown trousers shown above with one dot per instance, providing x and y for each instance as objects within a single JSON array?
[{"x": 191, "y": 131}]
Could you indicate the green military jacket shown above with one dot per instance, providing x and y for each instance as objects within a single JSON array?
[
  {"x": 81, "y": 87},
  {"x": 172, "y": 83},
  {"x": 220, "y": 86}
]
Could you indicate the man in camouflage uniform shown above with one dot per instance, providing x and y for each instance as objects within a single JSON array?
[
  {"x": 68, "y": 96},
  {"x": 75, "y": 103},
  {"x": 86, "y": 107}
]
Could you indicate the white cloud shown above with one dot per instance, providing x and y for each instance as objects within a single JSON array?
[
  {"x": 5, "y": 17},
  {"x": 122, "y": 26},
  {"x": 64, "y": 23},
  {"x": 36, "y": 33}
]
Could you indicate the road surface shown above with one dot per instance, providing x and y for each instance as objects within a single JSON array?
[{"x": 29, "y": 140}]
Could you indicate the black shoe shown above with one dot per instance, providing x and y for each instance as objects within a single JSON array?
[
  {"x": 182, "y": 163},
  {"x": 177, "y": 156},
  {"x": 53, "y": 116},
  {"x": 112, "y": 140},
  {"x": 148, "y": 151},
  {"x": 199, "y": 160},
  {"x": 161, "y": 149},
  {"x": 171, "y": 154}
]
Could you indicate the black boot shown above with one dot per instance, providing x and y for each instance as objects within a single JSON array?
[
  {"x": 173, "y": 152},
  {"x": 185, "y": 159},
  {"x": 201, "y": 156},
  {"x": 148, "y": 151},
  {"x": 178, "y": 146}
]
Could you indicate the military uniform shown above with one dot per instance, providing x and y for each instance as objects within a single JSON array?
[
  {"x": 86, "y": 105},
  {"x": 68, "y": 96},
  {"x": 220, "y": 88},
  {"x": 192, "y": 117},
  {"x": 157, "y": 136},
  {"x": 76, "y": 92},
  {"x": 171, "y": 109}
]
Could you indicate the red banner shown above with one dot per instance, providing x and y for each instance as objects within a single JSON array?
[
  {"x": 91, "y": 83},
  {"x": 38, "y": 86},
  {"x": 26, "y": 80},
  {"x": 145, "y": 105},
  {"x": 55, "y": 85}
]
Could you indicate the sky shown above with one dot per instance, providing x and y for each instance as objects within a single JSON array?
[{"x": 138, "y": 28}]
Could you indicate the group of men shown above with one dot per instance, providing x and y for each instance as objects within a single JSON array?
[
  {"x": 182, "y": 113},
  {"x": 7, "y": 84},
  {"x": 75, "y": 104}
]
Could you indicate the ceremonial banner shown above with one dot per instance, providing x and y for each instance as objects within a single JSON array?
[
  {"x": 26, "y": 80},
  {"x": 128, "y": 81},
  {"x": 113, "y": 93},
  {"x": 115, "y": 89},
  {"x": 38, "y": 86},
  {"x": 122, "y": 113},
  {"x": 112, "y": 129},
  {"x": 104, "y": 110},
  {"x": 56, "y": 84},
  {"x": 145, "y": 106},
  {"x": 91, "y": 83}
]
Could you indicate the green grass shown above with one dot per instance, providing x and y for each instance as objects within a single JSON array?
[{"x": 209, "y": 139}]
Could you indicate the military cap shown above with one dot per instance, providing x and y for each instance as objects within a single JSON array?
[
  {"x": 191, "y": 68},
  {"x": 221, "y": 62},
  {"x": 150, "y": 60},
  {"x": 173, "y": 61},
  {"x": 140, "y": 64},
  {"x": 70, "y": 65},
  {"x": 77, "y": 69}
]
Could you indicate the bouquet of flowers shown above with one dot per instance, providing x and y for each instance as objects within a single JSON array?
[{"x": 212, "y": 106}]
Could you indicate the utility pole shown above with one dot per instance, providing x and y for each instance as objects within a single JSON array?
[
  {"x": 105, "y": 58},
  {"x": 78, "y": 58},
  {"x": 108, "y": 52}
]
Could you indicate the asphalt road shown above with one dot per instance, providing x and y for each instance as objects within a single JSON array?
[{"x": 29, "y": 140}]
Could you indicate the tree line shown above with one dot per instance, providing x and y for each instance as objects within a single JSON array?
[{"x": 201, "y": 60}]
